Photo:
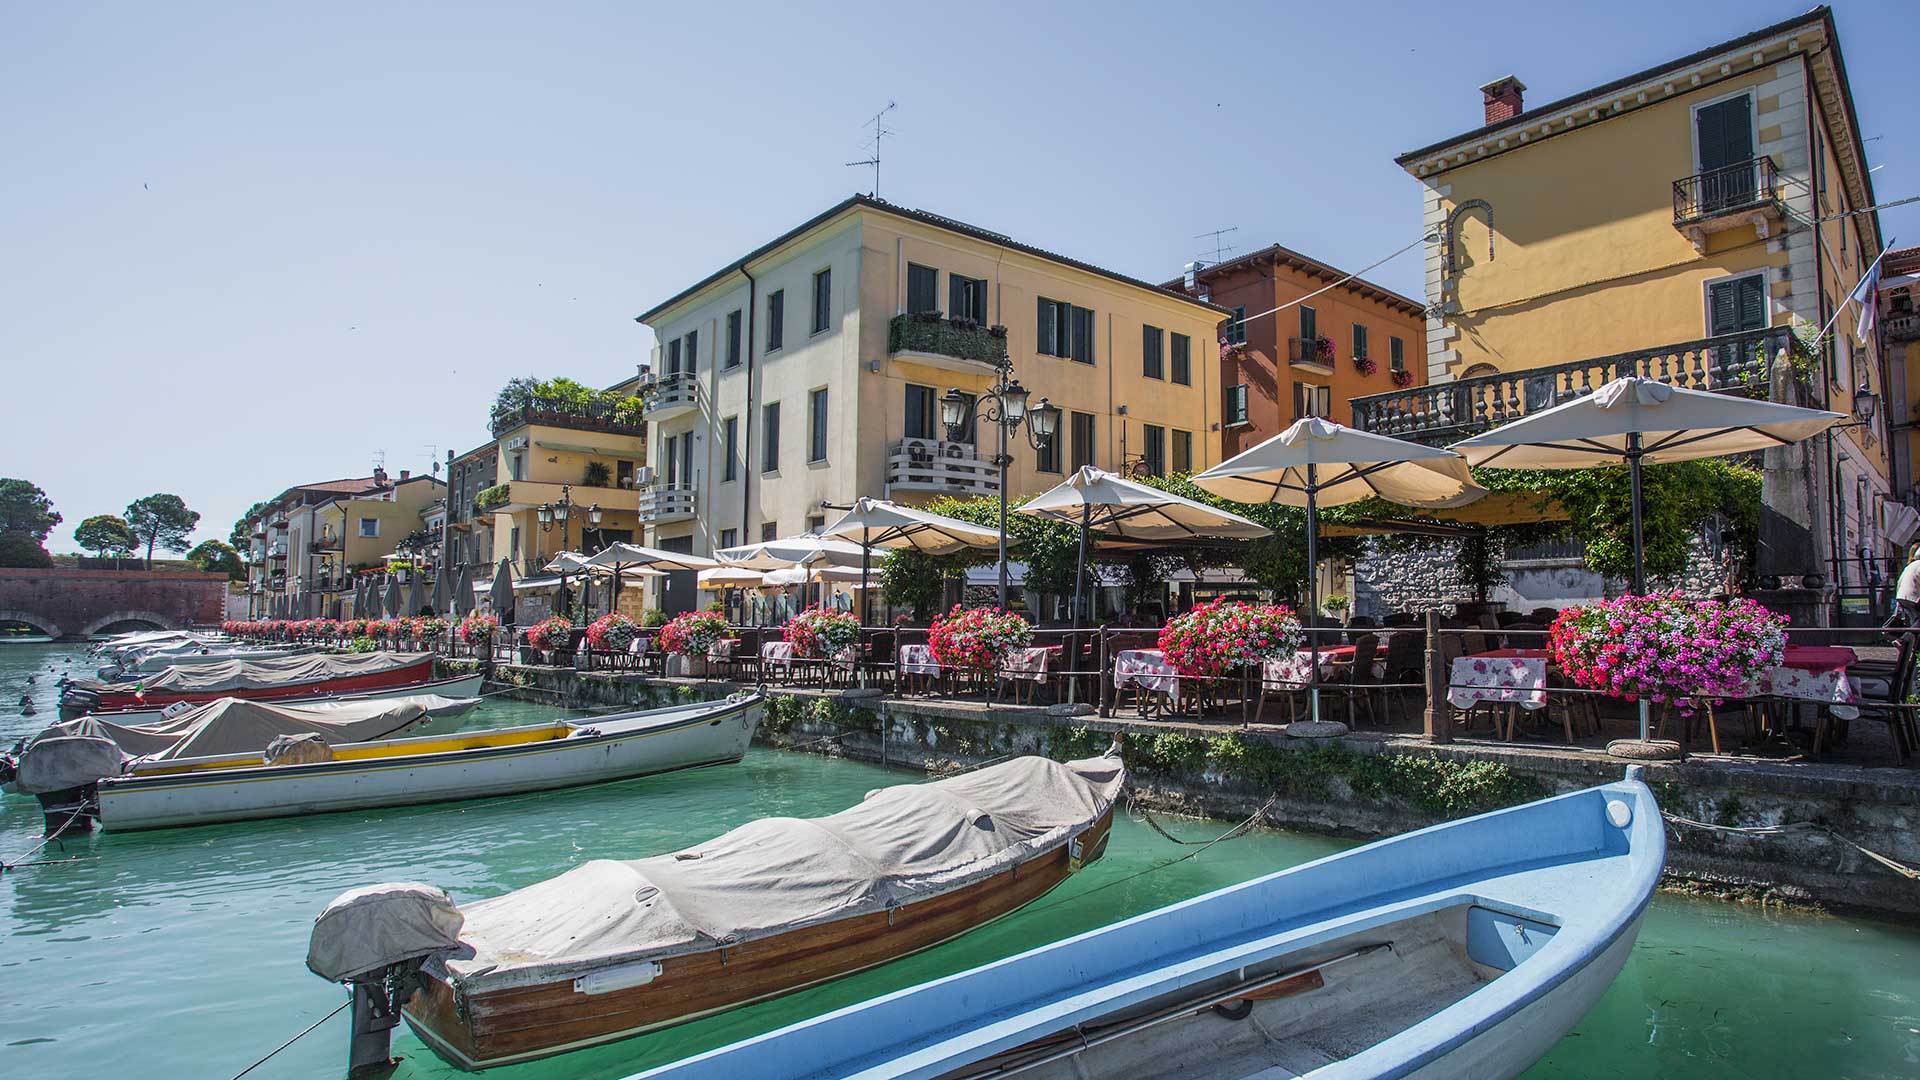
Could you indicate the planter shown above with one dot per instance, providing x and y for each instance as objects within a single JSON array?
[{"x": 681, "y": 666}]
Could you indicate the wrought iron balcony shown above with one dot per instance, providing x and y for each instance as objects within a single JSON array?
[
  {"x": 957, "y": 344},
  {"x": 1745, "y": 193},
  {"x": 1310, "y": 354},
  {"x": 613, "y": 417},
  {"x": 938, "y": 467},
  {"x": 1904, "y": 326},
  {"x": 673, "y": 395},
  {"x": 1740, "y": 363},
  {"x": 669, "y": 503}
]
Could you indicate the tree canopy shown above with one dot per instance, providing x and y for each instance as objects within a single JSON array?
[
  {"x": 18, "y": 549},
  {"x": 567, "y": 395},
  {"x": 106, "y": 534},
  {"x": 25, "y": 509},
  {"x": 217, "y": 557},
  {"x": 241, "y": 538},
  {"x": 162, "y": 521}
]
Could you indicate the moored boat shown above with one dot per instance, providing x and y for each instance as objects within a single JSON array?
[
  {"x": 612, "y": 949},
  {"x": 202, "y": 790},
  {"x": 1464, "y": 950},
  {"x": 458, "y": 688},
  {"x": 255, "y": 679}
]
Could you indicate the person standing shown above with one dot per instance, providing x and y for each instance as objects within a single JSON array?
[{"x": 1906, "y": 596}]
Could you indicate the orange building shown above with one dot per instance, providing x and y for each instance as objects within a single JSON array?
[{"x": 1308, "y": 359}]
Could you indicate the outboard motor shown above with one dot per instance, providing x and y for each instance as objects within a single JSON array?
[
  {"x": 63, "y": 772},
  {"x": 376, "y": 939}
]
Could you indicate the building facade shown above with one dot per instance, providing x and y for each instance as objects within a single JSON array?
[
  {"x": 810, "y": 372},
  {"x": 1287, "y": 352},
  {"x": 308, "y": 539},
  {"x": 1679, "y": 223}
]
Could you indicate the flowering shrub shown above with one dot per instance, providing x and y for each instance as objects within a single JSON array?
[
  {"x": 694, "y": 633},
  {"x": 612, "y": 633},
  {"x": 429, "y": 628},
  {"x": 324, "y": 629},
  {"x": 353, "y": 628},
  {"x": 820, "y": 632},
  {"x": 1402, "y": 377},
  {"x": 976, "y": 639},
  {"x": 552, "y": 632},
  {"x": 403, "y": 628},
  {"x": 478, "y": 629},
  {"x": 1324, "y": 348},
  {"x": 1233, "y": 350},
  {"x": 1214, "y": 639},
  {"x": 380, "y": 629},
  {"x": 1668, "y": 648},
  {"x": 1365, "y": 365}
]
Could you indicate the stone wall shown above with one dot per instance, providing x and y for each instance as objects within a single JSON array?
[
  {"x": 74, "y": 603},
  {"x": 1432, "y": 576}
]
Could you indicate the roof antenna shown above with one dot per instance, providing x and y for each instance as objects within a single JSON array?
[
  {"x": 1220, "y": 248},
  {"x": 879, "y": 132}
]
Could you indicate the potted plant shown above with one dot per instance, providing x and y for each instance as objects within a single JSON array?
[
  {"x": 551, "y": 633},
  {"x": 1338, "y": 605},
  {"x": 977, "y": 639},
  {"x": 819, "y": 633},
  {"x": 598, "y": 475},
  {"x": 1669, "y": 649},
  {"x": 1365, "y": 365},
  {"x": 612, "y": 633},
  {"x": 1402, "y": 378},
  {"x": 1323, "y": 347},
  {"x": 1215, "y": 640},
  {"x": 688, "y": 640}
]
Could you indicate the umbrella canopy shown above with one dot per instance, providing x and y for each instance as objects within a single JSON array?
[
  {"x": 359, "y": 597},
  {"x": 879, "y": 523},
  {"x": 442, "y": 589},
  {"x": 805, "y": 575},
  {"x": 463, "y": 603},
  {"x": 729, "y": 577},
  {"x": 393, "y": 595},
  {"x": 623, "y": 556},
  {"x": 1341, "y": 465},
  {"x": 1096, "y": 499},
  {"x": 566, "y": 562},
  {"x": 416, "y": 593},
  {"x": 501, "y": 596},
  {"x": 806, "y": 548}
]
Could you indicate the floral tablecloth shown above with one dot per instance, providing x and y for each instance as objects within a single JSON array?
[
  {"x": 1029, "y": 664},
  {"x": 1147, "y": 669},
  {"x": 1290, "y": 672},
  {"x": 722, "y": 649},
  {"x": 918, "y": 660},
  {"x": 1828, "y": 685},
  {"x": 1510, "y": 680},
  {"x": 779, "y": 653}
]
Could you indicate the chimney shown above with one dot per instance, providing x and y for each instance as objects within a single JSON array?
[
  {"x": 1503, "y": 99},
  {"x": 404, "y": 473}
]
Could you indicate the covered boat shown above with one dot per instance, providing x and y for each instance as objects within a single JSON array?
[
  {"x": 1463, "y": 950},
  {"x": 160, "y": 792},
  {"x": 269, "y": 678},
  {"x": 611, "y": 949},
  {"x": 459, "y": 689}
]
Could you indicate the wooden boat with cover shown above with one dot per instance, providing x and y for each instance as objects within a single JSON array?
[
  {"x": 612, "y": 949},
  {"x": 288, "y": 676},
  {"x": 459, "y": 687},
  {"x": 1466, "y": 950}
]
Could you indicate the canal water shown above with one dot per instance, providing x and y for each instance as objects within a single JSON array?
[{"x": 180, "y": 953}]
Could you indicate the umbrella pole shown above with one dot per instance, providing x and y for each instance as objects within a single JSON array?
[
  {"x": 1079, "y": 590},
  {"x": 866, "y": 608},
  {"x": 1313, "y": 593},
  {"x": 1639, "y": 546}
]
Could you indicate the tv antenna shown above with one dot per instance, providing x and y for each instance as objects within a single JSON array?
[
  {"x": 433, "y": 455},
  {"x": 1220, "y": 248},
  {"x": 379, "y": 460},
  {"x": 879, "y": 132}
]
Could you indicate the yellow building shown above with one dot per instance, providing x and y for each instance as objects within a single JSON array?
[
  {"x": 308, "y": 538},
  {"x": 1675, "y": 223},
  {"x": 810, "y": 372},
  {"x": 359, "y": 532},
  {"x": 568, "y": 477}
]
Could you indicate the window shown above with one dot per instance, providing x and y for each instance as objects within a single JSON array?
[
  {"x": 693, "y": 351},
  {"x": 816, "y": 522},
  {"x": 1153, "y": 452},
  {"x": 1309, "y": 323},
  {"x": 1359, "y": 342},
  {"x": 730, "y": 444},
  {"x": 1397, "y": 353},
  {"x": 1183, "y": 451},
  {"x": 370, "y": 527},
  {"x": 1236, "y": 404},
  {"x": 1736, "y": 305},
  {"x": 923, "y": 289},
  {"x": 1082, "y": 443},
  {"x": 967, "y": 298},
  {"x": 1047, "y": 457},
  {"x": 920, "y": 409},
  {"x": 513, "y": 540},
  {"x": 1082, "y": 335},
  {"x": 1152, "y": 363},
  {"x": 776, "y": 319},
  {"x": 822, "y": 301},
  {"x": 1311, "y": 400},
  {"x": 623, "y": 474},
  {"x": 1183, "y": 359},
  {"x": 672, "y": 455},
  {"x": 769, "y": 530},
  {"x": 733, "y": 339},
  {"x": 673, "y": 357},
  {"x": 770, "y": 437},
  {"x": 516, "y": 465},
  {"x": 1065, "y": 331},
  {"x": 1237, "y": 326},
  {"x": 817, "y": 425},
  {"x": 729, "y": 538}
]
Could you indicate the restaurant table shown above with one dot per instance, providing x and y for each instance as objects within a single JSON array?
[
  {"x": 777, "y": 654},
  {"x": 1505, "y": 676},
  {"x": 1290, "y": 672},
  {"x": 1027, "y": 663},
  {"x": 918, "y": 660},
  {"x": 1815, "y": 673},
  {"x": 1146, "y": 669}
]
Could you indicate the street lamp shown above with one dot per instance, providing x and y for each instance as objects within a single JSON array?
[
  {"x": 559, "y": 511},
  {"x": 1005, "y": 407}
]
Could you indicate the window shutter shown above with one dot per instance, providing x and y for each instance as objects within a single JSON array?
[
  {"x": 956, "y": 296},
  {"x": 1309, "y": 325},
  {"x": 1299, "y": 400},
  {"x": 1045, "y": 342},
  {"x": 693, "y": 350},
  {"x": 1752, "y": 302}
]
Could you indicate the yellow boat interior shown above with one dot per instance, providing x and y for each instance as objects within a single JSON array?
[{"x": 386, "y": 748}]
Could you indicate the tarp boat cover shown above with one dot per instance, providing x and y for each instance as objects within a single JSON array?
[
  {"x": 76, "y": 752},
  {"x": 263, "y": 674},
  {"x": 771, "y": 876}
]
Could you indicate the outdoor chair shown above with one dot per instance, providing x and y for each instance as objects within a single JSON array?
[
  {"x": 1400, "y": 618},
  {"x": 1404, "y": 662},
  {"x": 1881, "y": 698},
  {"x": 1359, "y": 683},
  {"x": 1504, "y": 619}
]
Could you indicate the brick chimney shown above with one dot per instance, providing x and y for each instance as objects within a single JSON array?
[
  {"x": 1503, "y": 99},
  {"x": 404, "y": 473}
]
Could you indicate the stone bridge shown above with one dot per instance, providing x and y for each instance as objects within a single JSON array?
[{"x": 76, "y": 604}]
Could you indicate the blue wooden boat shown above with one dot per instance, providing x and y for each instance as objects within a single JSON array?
[{"x": 1462, "y": 950}]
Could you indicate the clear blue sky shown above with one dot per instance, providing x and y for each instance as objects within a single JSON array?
[{"x": 243, "y": 247}]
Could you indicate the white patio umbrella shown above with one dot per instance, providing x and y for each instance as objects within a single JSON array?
[
  {"x": 1640, "y": 420},
  {"x": 1317, "y": 462},
  {"x": 617, "y": 558},
  {"x": 792, "y": 551},
  {"x": 730, "y": 577},
  {"x": 566, "y": 563},
  {"x": 879, "y": 523}
]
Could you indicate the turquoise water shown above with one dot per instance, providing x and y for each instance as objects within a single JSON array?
[{"x": 181, "y": 953}]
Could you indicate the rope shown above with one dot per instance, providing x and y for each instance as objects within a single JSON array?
[
  {"x": 1238, "y": 830},
  {"x": 9, "y": 864},
  {"x": 1902, "y": 869},
  {"x": 295, "y": 1039}
]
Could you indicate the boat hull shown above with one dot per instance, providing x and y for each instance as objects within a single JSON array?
[
  {"x": 465, "y": 686},
  {"x": 194, "y": 798},
  {"x": 521, "y": 1023},
  {"x": 406, "y": 675}
]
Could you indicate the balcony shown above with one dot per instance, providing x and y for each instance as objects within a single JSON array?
[
  {"x": 1442, "y": 412},
  {"x": 614, "y": 417},
  {"x": 1313, "y": 354},
  {"x": 673, "y": 395},
  {"x": 517, "y": 495},
  {"x": 951, "y": 344},
  {"x": 1904, "y": 326},
  {"x": 667, "y": 504},
  {"x": 278, "y": 551},
  {"x": 937, "y": 467},
  {"x": 1734, "y": 196}
]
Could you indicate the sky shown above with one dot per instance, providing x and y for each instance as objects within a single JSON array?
[{"x": 247, "y": 246}]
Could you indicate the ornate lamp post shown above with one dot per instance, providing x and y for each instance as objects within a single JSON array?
[
  {"x": 1005, "y": 407},
  {"x": 560, "y": 511}
]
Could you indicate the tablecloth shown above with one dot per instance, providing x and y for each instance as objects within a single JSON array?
[
  {"x": 1146, "y": 668},
  {"x": 1512, "y": 680}
]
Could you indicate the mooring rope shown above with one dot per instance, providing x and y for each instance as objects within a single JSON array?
[
  {"x": 21, "y": 859},
  {"x": 295, "y": 1039},
  {"x": 1199, "y": 846},
  {"x": 1900, "y": 868}
]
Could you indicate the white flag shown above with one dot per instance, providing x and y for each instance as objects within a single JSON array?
[{"x": 1867, "y": 295}]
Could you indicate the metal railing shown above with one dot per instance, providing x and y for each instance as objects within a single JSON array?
[
  {"x": 674, "y": 394},
  {"x": 670, "y": 502},
  {"x": 960, "y": 339},
  {"x": 939, "y": 466},
  {"x": 615, "y": 418},
  {"x": 1730, "y": 188},
  {"x": 1742, "y": 362}
]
